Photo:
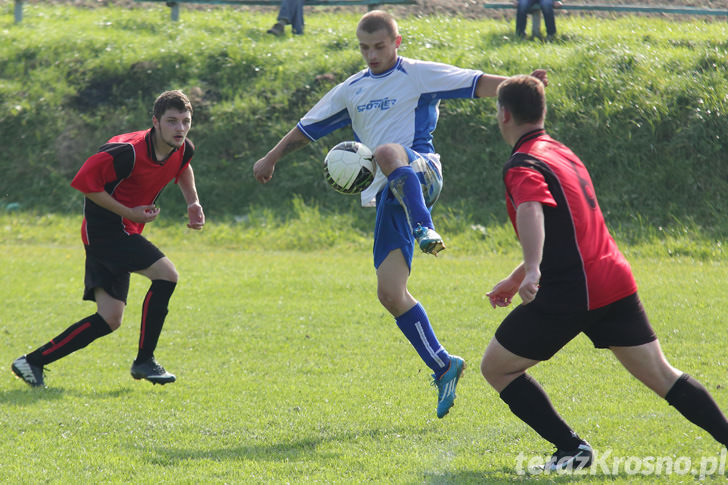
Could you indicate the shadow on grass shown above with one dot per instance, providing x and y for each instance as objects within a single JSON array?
[
  {"x": 304, "y": 448},
  {"x": 26, "y": 396},
  {"x": 273, "y": 452},
  {"x": 307, "y": 450}
]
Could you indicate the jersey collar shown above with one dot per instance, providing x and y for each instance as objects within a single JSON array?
[
  {"x": 527, "y": 137},
  {"x": 397, "y": 65}
]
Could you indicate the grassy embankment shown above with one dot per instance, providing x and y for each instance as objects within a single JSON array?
[{"x": 642, "y": 101}]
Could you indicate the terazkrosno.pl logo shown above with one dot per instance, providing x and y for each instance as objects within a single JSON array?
[{"x": 606, "y": 463}]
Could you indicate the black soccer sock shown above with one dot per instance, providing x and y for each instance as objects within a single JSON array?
[
  {"x": 694, "y": 402},
  {"x": 75, "y": 337},
  {"x": 529, "y": 402},
  {"x": 153, "y": 313}
]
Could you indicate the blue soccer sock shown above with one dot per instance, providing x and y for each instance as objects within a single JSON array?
[
  {"x": 415, "y": 325},
  {"x": 407, "y": 189}
]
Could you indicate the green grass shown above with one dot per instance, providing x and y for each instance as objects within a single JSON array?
[
  {"x": 642, "y": 101},
  {"x": 289, "y": 370}
]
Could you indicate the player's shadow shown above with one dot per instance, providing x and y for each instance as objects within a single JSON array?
[
  {"x": 28, "y": 396},
  {"x": 309, "y": 450},
  {"x": 305, "y": 449}
]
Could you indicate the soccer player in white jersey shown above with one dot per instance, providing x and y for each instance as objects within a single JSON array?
[{"x": 392, "y": 107}]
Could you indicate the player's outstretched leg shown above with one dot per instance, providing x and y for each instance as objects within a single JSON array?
[
  {"x": 683, "y": 392},
  {"x": 30, "y": 367},
  {"x": 694, "y": 402}
]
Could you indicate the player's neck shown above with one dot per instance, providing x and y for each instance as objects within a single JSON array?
[
  {"x": 519, "y": 130},
  {"x": 162, "y": 150}
]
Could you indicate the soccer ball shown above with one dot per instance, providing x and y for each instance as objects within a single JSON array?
[{"x": 348, "y": 167}]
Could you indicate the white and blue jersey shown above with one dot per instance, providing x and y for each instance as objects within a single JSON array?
[{"x": 400, "y": 106}]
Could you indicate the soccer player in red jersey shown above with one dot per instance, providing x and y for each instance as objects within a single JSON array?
[
  {"x": 573, "y": 279},
  {"x": 122, "y": 183}
]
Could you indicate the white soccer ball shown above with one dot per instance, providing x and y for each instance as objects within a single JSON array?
[{"x": 349, "y": 167}]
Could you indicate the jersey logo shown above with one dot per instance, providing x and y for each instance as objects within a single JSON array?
[
  {"x": 380, "y": 104},
  {"x": 586, "y": 188}
]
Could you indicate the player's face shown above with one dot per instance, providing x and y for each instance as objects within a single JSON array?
[
  {"x": 173, "y": 127},
  {"x": 378, "y": 49}
]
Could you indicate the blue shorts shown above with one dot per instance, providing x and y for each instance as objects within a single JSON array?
[{"x": 391, "y": 229}]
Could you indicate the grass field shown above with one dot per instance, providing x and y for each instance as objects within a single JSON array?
[{"x": 289, "y": 371}]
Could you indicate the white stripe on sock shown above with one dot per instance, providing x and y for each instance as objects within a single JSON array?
[{"x": 432, "y": 353}]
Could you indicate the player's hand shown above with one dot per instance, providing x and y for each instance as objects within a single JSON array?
[
  {"x": 529, "y": 286},
  {"x": 196, "y": 215},
  {"x": 541, "y": 75},
  {"x": 263, "y": 170},
  {"x": 502, "y": 294},
  {"x": 143, "y": 213}
]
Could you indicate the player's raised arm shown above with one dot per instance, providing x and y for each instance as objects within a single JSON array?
[
  {"x": 264, "y": 168},
  {"x": 488, "y": 83}
]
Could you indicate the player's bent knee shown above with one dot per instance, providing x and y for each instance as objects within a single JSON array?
[
  {"x": 486, "y": 370},
  {"x": 390, "y": 156},
  {"x": 168, "y": 271},
  {"x": 389, "y": 303},
  {"x": 112, "y": 320},
  {"x": 395, "y": 306},
  {"x": 383, "y": 296},
  {"x": 163, "y": 269},
  {"x": 172, "y": 276},
  {"x": 497, "y": 377}
]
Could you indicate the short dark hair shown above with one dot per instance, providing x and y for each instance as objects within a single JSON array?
[
  {"x": 175, "y": 99},
  {"x": 377, "y": 20},
  {"x": 524, "y": 97}
]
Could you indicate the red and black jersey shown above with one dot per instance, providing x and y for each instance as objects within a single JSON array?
[
  {"x": 126, "y": 168},
  {"x": 582, "y": 267}
]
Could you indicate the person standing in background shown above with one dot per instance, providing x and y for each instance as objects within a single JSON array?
[{"x": 290, "y": 12}]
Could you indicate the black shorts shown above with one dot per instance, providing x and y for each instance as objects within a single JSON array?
[
  {"x": 110, "y": 263},
  {"x": 534, "y": 334}
]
